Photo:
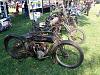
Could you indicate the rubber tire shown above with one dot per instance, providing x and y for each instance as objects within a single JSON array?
[
  {"x": 68, "y": 42},
  {"x": 6, "y": 42}
]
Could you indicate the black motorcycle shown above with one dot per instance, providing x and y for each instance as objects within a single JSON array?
[{"x": 43, "y": 44}]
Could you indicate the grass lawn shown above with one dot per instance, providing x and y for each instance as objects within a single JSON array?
[{"x": 91, "y": 65}]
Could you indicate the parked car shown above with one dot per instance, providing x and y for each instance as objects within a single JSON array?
[
  {"x": 5, "y": 21},
  {"x": 5, "y": 24}
]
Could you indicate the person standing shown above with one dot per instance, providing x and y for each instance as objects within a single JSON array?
[
  {"x": 26, "y": 9},
  {"x": 23, "y": 10},
  {"x": 88, "y": 6},
  {"x": 17, "y": 8}
]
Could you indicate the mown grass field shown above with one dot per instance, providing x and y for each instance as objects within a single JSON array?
[{"x": 90, "y": 66}]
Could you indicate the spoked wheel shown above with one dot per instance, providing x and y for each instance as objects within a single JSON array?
[
  {"x": 15, "y": 47},
  {"x": 69, "y": 54},
  {"x": 77, "y": 36}
]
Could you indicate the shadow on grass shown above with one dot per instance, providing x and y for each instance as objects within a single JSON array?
[
  {"x": 30, "y": 66},
  {"x": 83, "y": 20},
  {"x": 20, "y": 25}
]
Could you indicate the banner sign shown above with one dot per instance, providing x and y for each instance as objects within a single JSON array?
[{"x": 35, "y": 4}]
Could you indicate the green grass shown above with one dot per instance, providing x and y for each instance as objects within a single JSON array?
[{"x": 91, "y": 65}]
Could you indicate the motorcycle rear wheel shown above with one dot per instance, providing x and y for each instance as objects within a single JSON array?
[{"x": 15, "y": 47}]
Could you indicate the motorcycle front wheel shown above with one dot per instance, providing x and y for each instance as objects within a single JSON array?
[{"x": 69, "y": 54}]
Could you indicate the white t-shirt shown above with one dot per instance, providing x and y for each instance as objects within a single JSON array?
[{"x": 23, "y": 5}]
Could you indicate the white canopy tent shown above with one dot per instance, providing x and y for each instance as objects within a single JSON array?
[{"x": 4, "y": 0}]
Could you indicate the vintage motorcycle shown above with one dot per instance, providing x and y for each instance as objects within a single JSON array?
[
  {"x": 43, "y": 44},
  {"x": 69, "y": 22}
]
